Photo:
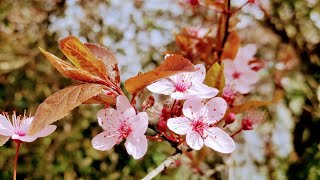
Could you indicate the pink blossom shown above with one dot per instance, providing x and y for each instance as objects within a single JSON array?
[
  {"x": 122, "y": 123},
  {"x": 18, "y": 127},
  {"x": 185, "y": 85},
  {"x": 198, "y": 123},
  {"x": 238, "y": 72}
]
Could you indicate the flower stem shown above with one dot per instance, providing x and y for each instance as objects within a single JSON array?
[
  {"x": 18, "y": 142},
  {"x": 237, "y": 132},
  {"x": 174, "y": 103}
]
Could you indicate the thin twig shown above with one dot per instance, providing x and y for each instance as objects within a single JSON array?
[
  {"x": 227, "y": 15},
  {"x": 165, "y": 164}
]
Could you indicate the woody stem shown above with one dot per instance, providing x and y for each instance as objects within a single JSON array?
[{"x": 227, "y": 15}]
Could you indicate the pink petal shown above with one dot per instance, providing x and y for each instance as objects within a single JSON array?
[
  {"x": 6, "y": 128},
  {"x": 179, "y": 125},
  {"x": 193, "y": 108},
  {"x": 108, "y": 118},
  {"x": 242, "y": 87},
  {"x": 124, "y": 107},
  {"x": 194, "y": 140},
  {"x": 228, "y": 70},
  {"x": 163, "y": 86},
  {"x": 137, "y": 147},
  {"x": 46, "y": 131},
  {"x": 25, "y": 138},
  {"x": 28, "y": 121},
  {"x": 219, "y": 140},
  {"x": 245, "y": 54},
  {"x": 216, "y": 108},
  {"x": 179, "y": 95},
  {"x": 3, "y": 139},
  {"x": 104, "y": 141},
  {"x": 140, "y": 124},
  {"x": 203, "y": 91},
  {"x": 249, "y": 77},
  {"x": 198, "y": 76}
]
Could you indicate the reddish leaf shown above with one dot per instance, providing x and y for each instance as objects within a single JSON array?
[
  {"x": 231, "y": 47},
  {"x": 107, "y": 96},
  {"x": 172, "y": 65},
  {"x": 109, "y": 59},
  {"x": 248, "y": 105},
  {"x": 81, "y": 56},
  {"x": 59, "y": 104},
  {"x": 70, "y": 71}
]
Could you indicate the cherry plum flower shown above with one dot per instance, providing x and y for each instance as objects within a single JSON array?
[
  {"x": 198, "y": 124},
  {"x": 184, "y": 85},
  {"x": 122, "y": 123},
  {"x": 18, "y": 128},
  {"x": 238, "y": 72}
]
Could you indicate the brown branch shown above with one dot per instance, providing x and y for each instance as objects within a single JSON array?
[
  {"x": 165, "y": 164},
  {"x": 228, "y": 14}
]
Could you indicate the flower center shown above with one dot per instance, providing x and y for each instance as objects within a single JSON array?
[
  {"x": 236, "y": 75},
  {"x": 198, "y": 126},
  {"x": 125, "y": 130},
  {"x": 182, "y": 86}
]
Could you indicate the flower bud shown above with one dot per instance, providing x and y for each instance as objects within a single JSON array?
[
  {"x": 230, "y": 118},
  {"x": 162, "y": 126},
  {"x": 246, "y": 124}
]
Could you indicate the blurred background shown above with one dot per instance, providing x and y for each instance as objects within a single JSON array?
[{"x": 287, "y": 33}]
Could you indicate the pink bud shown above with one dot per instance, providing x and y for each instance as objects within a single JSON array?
[
  {"x": 246, "y": 124},
  {"x": 251, "y": 1},
  {"x": 166, "y": 113},
  {"x": 162, "y": 126},
  {"x": 230, "y": 118},
  {"x": 177, "y": 110}
]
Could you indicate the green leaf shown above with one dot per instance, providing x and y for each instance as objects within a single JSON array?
[{"x": 215, "y": 77}]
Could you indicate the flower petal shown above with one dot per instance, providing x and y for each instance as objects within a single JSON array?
[
  {"x": 242, "y": 87},
  {"x": 249, "y": 77},
  {"x": 216, "y": 108},
  {"x": 193, "y": 108},
  {"x": 46, "y": 131},
  {"x": 194, "y": 140},
  {"x": 199, "y": 75},
  {"x": 202, "y": 91},
  {"x": 104, "y": 141},
  {"x": 25, "y": 138},
  {"x": 179, "y": 95},
  {"x": 228, "y": 70},
  {"x": 108, "y": 118},
  {"x": 3, "y": 139},
  {"x": 218, "y": 140},
  {"x": 140, "y": 124},
  {"x": 124, "y": 107},
  {"x": 6, "y": 128},
  {"x": 163, "y": 86},
  {"x": 244, "y": 55},
  {"x": 179, "y": 125},
  {"x": 137, "y": 147}
]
